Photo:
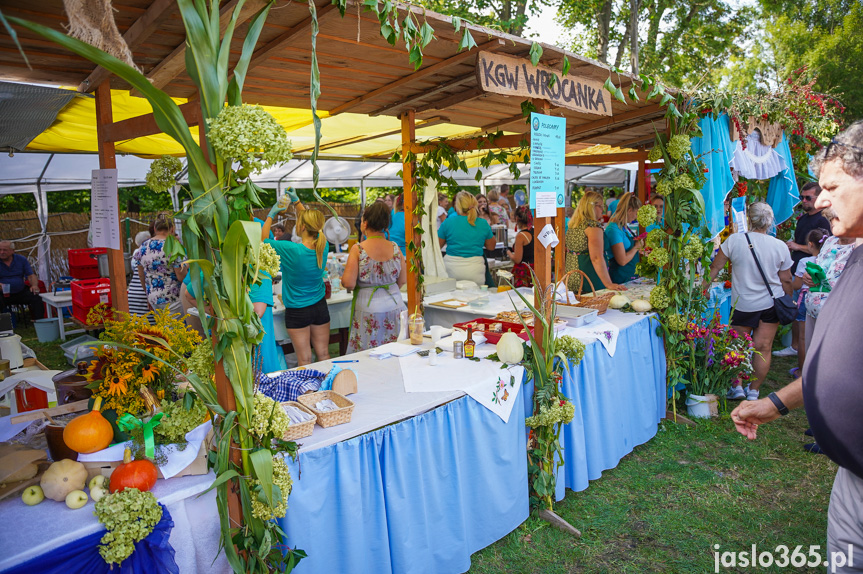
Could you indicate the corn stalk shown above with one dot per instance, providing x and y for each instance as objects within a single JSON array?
[{"x": 217, "y": 239}]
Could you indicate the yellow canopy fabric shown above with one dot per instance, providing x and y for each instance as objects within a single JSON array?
[{"x": 75, "y": 130}]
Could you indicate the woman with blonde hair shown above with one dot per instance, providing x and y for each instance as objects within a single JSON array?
[
  {"x": 585, "y": 246},
  {"x": 621, "y": 247},
  {"x": 465, "y": 235},
  {"x": 496, "y": 209},
  {"x": 304, "y": 267}
]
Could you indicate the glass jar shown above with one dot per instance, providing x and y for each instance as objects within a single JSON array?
[{"x": 416, "y": 326}]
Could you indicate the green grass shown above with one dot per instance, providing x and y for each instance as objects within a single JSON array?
[
  {"x": 669, "y": 501},
  {"x": 49, "y": 354}
]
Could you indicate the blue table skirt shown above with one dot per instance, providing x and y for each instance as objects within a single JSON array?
[
  {"x": 618, "y": 400},
  {"x": 419, "y": 496}
]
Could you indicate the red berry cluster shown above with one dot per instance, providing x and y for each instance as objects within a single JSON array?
[
  {"x": 741, "y": 188},
  {"x": 740, "y": 131}
]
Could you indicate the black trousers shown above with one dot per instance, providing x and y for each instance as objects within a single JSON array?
[{"x": 24, "y": 297}]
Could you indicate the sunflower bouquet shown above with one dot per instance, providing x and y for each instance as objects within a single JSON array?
[{"x": 135, "y": 364}]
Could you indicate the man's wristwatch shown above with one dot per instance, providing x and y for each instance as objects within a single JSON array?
[{"x": 777, "y": 402}]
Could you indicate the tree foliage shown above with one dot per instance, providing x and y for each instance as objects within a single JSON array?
[
  {"x": 509, "y": 16},
  {"x": 679, "y": 41}
]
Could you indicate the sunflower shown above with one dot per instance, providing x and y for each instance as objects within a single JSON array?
[
  {"x": 117, "y": 384},
  {"x": 149, "y": 373},
  {"x": 97, "y": 369}
]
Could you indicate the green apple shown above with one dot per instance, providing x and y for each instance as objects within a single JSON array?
[
  {"x": 76, "y": 499},
  {"x": 98, "y": 481},
  {"x": 33, "y": 495},
  {"x": 97, "y": 492}
]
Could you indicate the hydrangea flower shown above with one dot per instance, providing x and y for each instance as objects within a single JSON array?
[
  {"x": 664, "y": 186},
  {"x": 678, "y": 146},
  {"x": 658, "y": 257},
  {"x": 282, "y": 479},
  {"x": 676, "y": 322},
  {"x": 693, "y": 249},
  {"x": 163, "y": 173},
  {"x": 646, "y": 215},
  {"x": 659, "y": 297},
  {"x": 654, "y": 238},
  {"x": 270, "y": 417},
  {"x": 655, "y": 153},
  {"x": 251, "y": 136},
  {"x": 683, "y": 182}
]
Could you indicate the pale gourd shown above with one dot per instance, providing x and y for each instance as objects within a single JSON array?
[
  {"x": 641, "y": 306},
  {"x": 62, "y": 477},
  {"x": 618, "y": 302},
  {"x": 509, "y": 349}
]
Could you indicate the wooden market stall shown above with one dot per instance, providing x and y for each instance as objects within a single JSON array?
[{"x": 361, "y": 73}]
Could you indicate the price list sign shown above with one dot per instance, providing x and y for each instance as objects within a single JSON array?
[
  {"x": 105, "y": 211},
  {"x": 547, "y": 164}
]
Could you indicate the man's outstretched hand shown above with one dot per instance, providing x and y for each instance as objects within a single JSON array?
[{"x": 749, "y": 414}]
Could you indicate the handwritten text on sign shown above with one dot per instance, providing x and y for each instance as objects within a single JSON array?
[{"x": 518, "y": 77}]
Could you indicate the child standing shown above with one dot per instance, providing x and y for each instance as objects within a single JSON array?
[{"x": 814, "y": 241}]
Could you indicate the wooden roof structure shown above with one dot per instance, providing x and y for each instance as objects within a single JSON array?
[{"x": 360, "y": 72}]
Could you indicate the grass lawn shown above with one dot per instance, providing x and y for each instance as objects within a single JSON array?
[{"x": 671, "y": 500}]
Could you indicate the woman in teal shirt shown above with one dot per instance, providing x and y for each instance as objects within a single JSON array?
[
  {"x": 396, "y": 231},
  {"x": 303, "y": 266},
  {"x": 658, "y": 202},
  {"x": 261, "y": 294},
  {"x": 465, "y": 235},
  {"x": 621, "y": 248}
]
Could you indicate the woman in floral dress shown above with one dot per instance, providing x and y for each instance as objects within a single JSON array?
[
  {"x": 375, "y": 271},
  {"x": 159, "y": 277}
]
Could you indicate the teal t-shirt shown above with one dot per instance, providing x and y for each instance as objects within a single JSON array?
[
  {"x": 462, "y": 238},
  {"x": 302, "y": 279},
  {"x": 397, "y": 230},
  {"x": 263, "y": 291},
  {"x": 612, "y": 236},
  {"x": 612, "y": 207}
]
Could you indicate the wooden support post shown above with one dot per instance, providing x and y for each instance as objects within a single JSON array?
[
  {"x": 541, "y": 255},
  {"x": 560, "y": 250},
  {"x": 108, "y": 160},
  {"x": 412, "y": 239},
  {"x": 642, "y": 187}
]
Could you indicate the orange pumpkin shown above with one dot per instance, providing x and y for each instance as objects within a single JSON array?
[
  {"x": 89, "y": 433},
  {"x": 140, "y": 474}
]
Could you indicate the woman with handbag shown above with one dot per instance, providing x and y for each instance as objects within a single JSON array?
[{"x": 760, "y": 290}]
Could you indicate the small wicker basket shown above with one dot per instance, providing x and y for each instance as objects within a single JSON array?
[
  {"x": 301, "y": 430},
  {"x": 594, "y": 301},
  {"x": 330, "y": 418}
]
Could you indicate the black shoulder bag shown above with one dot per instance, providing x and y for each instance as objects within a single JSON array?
[{"x": 784, "y": 306}]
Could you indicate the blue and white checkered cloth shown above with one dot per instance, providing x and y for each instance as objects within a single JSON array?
[{"x": 289, "y": 385}]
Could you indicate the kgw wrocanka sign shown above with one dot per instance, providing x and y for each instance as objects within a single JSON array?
[{"x": 518, "y": 77}]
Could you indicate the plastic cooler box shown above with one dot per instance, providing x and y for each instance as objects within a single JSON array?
[
  {"x": 87, "y": 294},
  {"x": 84, "y": 263}
]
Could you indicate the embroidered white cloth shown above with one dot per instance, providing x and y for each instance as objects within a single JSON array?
[
  {"x": 600, "y": 329},
  {"x": 757, "y": 161},
  {"x": 485, "y": 381},
  {"x": 177, "y": 459}
]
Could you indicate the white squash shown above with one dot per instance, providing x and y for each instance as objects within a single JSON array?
[
  {"x": 62, "y": 477},
  {"x": 509, "y": 349},
  {"x": 641, "y": 306},
  {"x": 618, "y": 301}
]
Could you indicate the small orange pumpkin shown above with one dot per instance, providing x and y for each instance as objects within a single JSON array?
[
  {"x": 89, "y": 433},
  {"x": 140, "y": 474}
]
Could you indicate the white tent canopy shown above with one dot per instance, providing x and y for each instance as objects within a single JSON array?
[{"x": 27, "y": 172}]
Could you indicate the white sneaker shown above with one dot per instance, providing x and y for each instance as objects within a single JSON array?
[
  {"x": 735, "y": 393},
  {"x": 786, "y": 352},
  {"x": 751, "y": 394}
]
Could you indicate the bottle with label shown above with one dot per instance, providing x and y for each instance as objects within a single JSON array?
[{"x": 469, "y": 345}]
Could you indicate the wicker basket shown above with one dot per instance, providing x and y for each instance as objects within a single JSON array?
[
  {"x": 303, "y": 429},
  {"x": 594, "y": 301},
  {"x": 331, "y": 418}
]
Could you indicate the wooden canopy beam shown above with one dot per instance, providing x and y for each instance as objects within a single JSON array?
[
  {"x": 277, "y": 43},
  {"x": 427, "y": 123},
  {"x": 491, "y": 46},
  {"x": 409, "y": 102},
  {"x": 602, "y": 158},
  {"x": 454, "y": 99},
  {"x": 603, "y": 124},
  {"x": 175, "y": 63},
  {"x": 611, "y": 130},
  {"x": 638, "y": 142},
  {"x": 145, "y": 125},
  {"x": 472, "y": 144},
  {"x": 137, "y": 33}
]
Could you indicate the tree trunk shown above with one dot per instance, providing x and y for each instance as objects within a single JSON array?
[
  {"x": 621, "y": 48},
  {"x": 603, "y": 24}
]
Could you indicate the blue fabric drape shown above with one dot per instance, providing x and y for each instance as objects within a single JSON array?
[
  {"x": 783, "y": 193},
  {"x": 716, "y": 150},
  {"x": 152, "y": 554},
  {"x": 618, "y": 400},
  {"x": 419, "y": 496}
]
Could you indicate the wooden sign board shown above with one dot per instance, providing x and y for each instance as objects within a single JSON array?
[{"x": 512, "y": 76}]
